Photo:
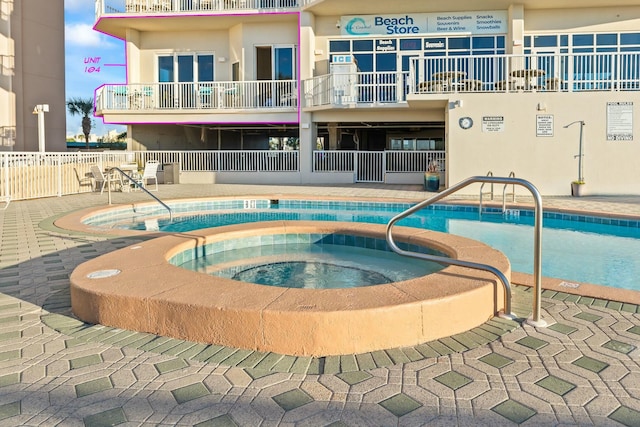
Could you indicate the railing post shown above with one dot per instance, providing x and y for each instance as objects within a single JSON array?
[
  {"x": 5, "y": 166},
  {"x": 59, "y": 169}
]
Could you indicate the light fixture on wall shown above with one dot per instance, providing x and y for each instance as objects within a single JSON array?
[
  {"x": 458, "y": 103},
  {"x": 222, "y": 59},
  {"x": 338, "y": 25},
  {"x": 39, "y": 110},
  {"x": 541, "y": 106}
]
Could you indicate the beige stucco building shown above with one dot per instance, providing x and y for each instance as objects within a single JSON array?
[
  {"x": 375, "y": 91},
  {"x": 31, "y": 73}
]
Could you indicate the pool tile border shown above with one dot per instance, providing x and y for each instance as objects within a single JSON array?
[{"x": 199, "y": 208}]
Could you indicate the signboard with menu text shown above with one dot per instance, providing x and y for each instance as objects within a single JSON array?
[{"x": 479, "y": 22}]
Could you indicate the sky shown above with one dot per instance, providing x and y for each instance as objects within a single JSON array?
[{"x": 91, "y": 59}]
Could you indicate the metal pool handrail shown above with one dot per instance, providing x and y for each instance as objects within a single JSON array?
[
  {"x": 537, "y": 252},
  {"x": 137, "y": 184}
]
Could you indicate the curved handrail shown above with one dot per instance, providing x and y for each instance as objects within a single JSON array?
[
  {"x": 537, "y": 255},
  {"x": 137, "y": 184}
]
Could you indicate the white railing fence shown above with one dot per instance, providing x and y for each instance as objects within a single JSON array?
[
  {"x": 334, "y": 161},
  {"x": 35, "y": 175},
  {"x": 263, "y": 94},
  {"x": 413, "y": 161},
  {"x": 373, "y": 165}
]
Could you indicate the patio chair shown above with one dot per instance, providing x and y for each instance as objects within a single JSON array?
[
  {"x": 149, "y": 173},
  {"x": 101, "y": 179},
  {"x": 6, "y": 200},
  {"x": 83, "y": 181}
]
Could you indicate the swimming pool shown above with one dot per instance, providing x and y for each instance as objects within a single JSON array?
[{"x": 577, "y": 248}]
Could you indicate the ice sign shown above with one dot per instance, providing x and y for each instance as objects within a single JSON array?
[{"x": 341, "y": 59}]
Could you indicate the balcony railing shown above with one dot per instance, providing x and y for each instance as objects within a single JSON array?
[
  {"x": 498, "y": 73},
  {"x": 178, "y": 6},
  {"x": 505, "y": 73},
  {"x": 356, "y": 88},
  {"x": 248, "y": 95}
]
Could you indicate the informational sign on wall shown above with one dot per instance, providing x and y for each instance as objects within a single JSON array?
[
  {"x": 492, "y": 123},
  {"x": 483, "y": 22},
  {"x": 544, "y": 125},
  {"x": 619, "y": 121}
]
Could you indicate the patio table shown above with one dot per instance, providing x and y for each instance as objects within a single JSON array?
[{"x": 530, "y": 76}]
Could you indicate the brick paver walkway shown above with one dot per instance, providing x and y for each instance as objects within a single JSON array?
[{"x": 584, "y": 369}]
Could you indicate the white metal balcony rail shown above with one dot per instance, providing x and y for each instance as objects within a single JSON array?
[
  {"x": 356, "y": 88},
  {"x": 506, "y": 73},
  {"x": 496, "y": 74},
  {"x": 247, "y": 95},
  {"x": 177, "y": 6},
  {"x": 35, "y": 175}
]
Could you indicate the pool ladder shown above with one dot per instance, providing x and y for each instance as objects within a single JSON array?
[
  {"x": 504, "y": 193},
  {"x": 535, "y": 319},
  {"x": 138, "y": 184}
]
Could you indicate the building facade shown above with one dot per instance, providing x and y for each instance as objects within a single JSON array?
[
  {"x": 31, "y": 74},
  {"x": 376, "y": 91}
]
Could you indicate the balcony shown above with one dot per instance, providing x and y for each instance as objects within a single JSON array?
[
  {"x": 206, "y": 98},
  {"x": 436, "y": 78},
  {"x": 103, "y": 7}
]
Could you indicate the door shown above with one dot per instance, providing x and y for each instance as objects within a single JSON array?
[
  {"x": 185, "y": 80},
  {"x": 408, "y": 79},
  {"x": 275, "y": 66},
  {"x": 166, "y": 76},
  {"x": 178, "y": 76},
  {"x": 370, "y": 166}
]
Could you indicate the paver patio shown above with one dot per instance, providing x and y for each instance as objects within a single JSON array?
[{"x": 584, "y": 369}]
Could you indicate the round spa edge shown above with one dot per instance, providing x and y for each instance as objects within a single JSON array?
[{"x": 149, "y": 294}]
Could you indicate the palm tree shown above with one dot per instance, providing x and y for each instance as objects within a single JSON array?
[{"x": 83, "y": 107}]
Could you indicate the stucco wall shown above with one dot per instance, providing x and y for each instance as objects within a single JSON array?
[
  {"x": 36, "y": 38},
  {"x": 610, "y": 167}
]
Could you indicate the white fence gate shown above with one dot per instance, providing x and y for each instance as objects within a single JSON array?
[{"x": 370, "y": 166}]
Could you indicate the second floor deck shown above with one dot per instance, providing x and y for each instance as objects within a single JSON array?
[
  {"x": 430, "y": 78},
  {"x": 147, "y": 100}
]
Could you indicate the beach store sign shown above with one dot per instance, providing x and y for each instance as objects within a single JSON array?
[{"x": 487, "y": 22}]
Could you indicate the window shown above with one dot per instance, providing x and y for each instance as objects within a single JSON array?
[
  {"x": 545, "y": 41},
  {"x": 275, "y": 62},
  {"x": 366, "y": 51},
  {"x": 339, "y": 46},
  {"x": 165, "y": 69},
  {"x": 456, "y": 43},
  {"x": 584, "y": 43},
  {"x": 410, "y": 44},
  {"x": 205, "y": 68},
  {"x": 185, "y": 68},
  {"x": 363, "y": 45},
  {"x": 411, "y": 143}
]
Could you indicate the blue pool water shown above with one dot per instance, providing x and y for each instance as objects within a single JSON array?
[
  {"x": 311, "y": 265},
  {"x": 575, "y": 248}
]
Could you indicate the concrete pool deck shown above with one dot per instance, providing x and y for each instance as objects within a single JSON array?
[{"x": 584, "y": 369}]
